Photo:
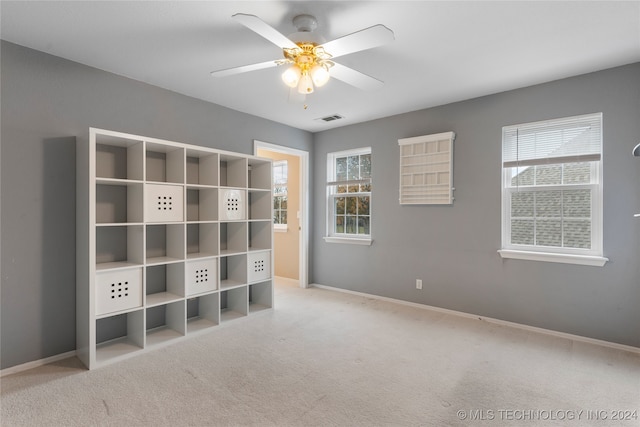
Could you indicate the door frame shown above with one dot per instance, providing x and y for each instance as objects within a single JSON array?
[{"x": 303, "y": 243}]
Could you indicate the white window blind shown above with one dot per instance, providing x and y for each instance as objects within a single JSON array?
[
  {"x": 568, "y": 140},
  {"x": 426, "y": 169}
]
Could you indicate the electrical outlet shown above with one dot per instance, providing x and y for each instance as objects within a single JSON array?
[{"x": 418, "y": 283}]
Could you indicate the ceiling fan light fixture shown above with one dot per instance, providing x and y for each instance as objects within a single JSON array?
[
  {"x": 320, "y": 75},
  {"x": 308, "y": 57},
  {"x": 291, "y": 76},
  {"x": 306, "y": 84}
]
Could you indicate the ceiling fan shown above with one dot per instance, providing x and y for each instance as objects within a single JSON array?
[{"x": 311, "y": 62}]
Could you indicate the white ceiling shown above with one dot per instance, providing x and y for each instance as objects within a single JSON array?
[{"x": 443, "y": 51}]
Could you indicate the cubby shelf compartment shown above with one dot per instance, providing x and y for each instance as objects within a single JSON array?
[
  {"x": 118, "y": 202},
  {"x": 233, "y": 171},
  {"x": 260, "y": 204},
  {"x": 118, "y": 290},
  {"x": 164, "y": 203},
  {"x": 260, "y": 235},
  {"x": 165, "y": 243},
  {"x": 232, "y": 203},
  {"x": 234, "y": 303},
  {"x": 260, "y": 296},
  {"x": 202, "y": 240},
  {"x": 165, "y": 323},
  {"x": 233, "y": 271},
  {"x": 201, "y": 276},
  {"x": 118, "y": 157},
  {"x": 258, "y": 266},
  {"x": 164, "y": 284},
  {"x": 260, "y": 174},
  {"x": 233, "y": 237},
  {"x": 203, "y": 312},
  {"x": 119, "y": 246},
  {"x": 165, "y": 163},
  {"x": 202, "y": 168},
  {"x": 119, "y": 336},
  {"x": 202, "y": 204}
]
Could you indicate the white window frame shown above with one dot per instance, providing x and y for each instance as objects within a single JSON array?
[
  {"x": 281, "y": 227},
  {"x": 594, "y": 255},
  {"x": 332, "y": 236}
]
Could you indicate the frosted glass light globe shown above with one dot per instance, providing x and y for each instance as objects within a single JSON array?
[
  {"x": 306, "y": 85},
  {"x": 291, "y": 76},
  {"x": 320, "y": 75}
]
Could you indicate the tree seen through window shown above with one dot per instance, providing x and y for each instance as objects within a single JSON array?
[
  {"x": 280, "y": 181},
  {"x": 351, "y": 195}
]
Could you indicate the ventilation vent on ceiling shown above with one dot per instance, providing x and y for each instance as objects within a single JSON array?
[{"x": 331, "y": 118}]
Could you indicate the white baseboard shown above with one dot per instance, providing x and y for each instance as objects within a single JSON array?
[
  {"x": 578, "y": 338},
  {"x": 36, "y": 363}
]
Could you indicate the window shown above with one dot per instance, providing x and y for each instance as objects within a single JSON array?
[
  {"x": 280, "y": 177},
  {"x": 552, "y": 190},
  {"x": 349, "y": 196}
]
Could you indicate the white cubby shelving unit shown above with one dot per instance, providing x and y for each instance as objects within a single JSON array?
[
  {"x": 426, "y": 169},
  {"x": 172, "y": 240}
]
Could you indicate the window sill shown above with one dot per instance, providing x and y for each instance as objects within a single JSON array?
[
  {"x": 596, "y": 261},
  {"x": 349, "y": 240},
  {"x": 280, "y": 228}
]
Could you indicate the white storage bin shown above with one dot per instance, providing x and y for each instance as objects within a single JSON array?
[
  {"x": 258, "y": 266},
  {"x": 118, "y": 290},
  {"x": 163, "y": 203},
  {"x": 232, "y": 204},
  {"x": 202, "y": 276}
]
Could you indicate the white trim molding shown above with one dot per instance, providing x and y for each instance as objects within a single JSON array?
[
  {"x": 348, "y": 240},
  {"x": 36, "y": 363},
  {"x": 280, "y": 228},
  {"x": 515, "y": 325},
  {"x": 595, "y": 261},
  {"x": 303, "y": 241}
]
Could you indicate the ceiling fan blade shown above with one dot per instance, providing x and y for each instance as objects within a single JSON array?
[
  {"x": 257, "y": 25},
  {"x": 355, "y": 78},
  {"x": 368, "y": 38},
  {"x": 244, "y": 69}
]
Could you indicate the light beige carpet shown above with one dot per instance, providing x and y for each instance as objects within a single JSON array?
[{"x": 333, "y": 359}]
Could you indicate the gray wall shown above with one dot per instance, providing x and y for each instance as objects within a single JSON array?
[
  {"x": 453, "y": 248},
  {"x": 47, "y": 103}
]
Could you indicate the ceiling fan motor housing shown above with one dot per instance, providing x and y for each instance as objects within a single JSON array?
[{"x": 305, "y": 23}]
